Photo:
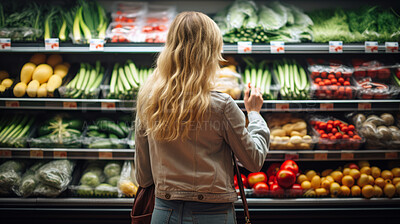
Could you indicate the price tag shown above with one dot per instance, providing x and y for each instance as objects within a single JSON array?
[
  {"x": 292, "y": 156},
  {"x": 392, "y": 47},
  {"x": 36, "y": 154},
  {"x": 391, "y": 155},
  {"x": 5, "y": 154},
  {"x": 52, "y": 44},
  {"x": 371, "y": 47},
  {"x": 282, "y": 106},
  {"x": 105, "y": 155},
  {"x": 5, "y": 44},
  {"x": 70, "y": 105},
  {"x": 326, "y": 106},
  {"x": 364, "y": 106},
  {"x": 277, "y": 47},
  {"x": 12, "y": 104},
  {"x": 107, "y": 105},
  {"x": 57, "y": 154},
  {"x": 335, "y": 46},
  {"x": 347, "y": 156},
  {"x": 96, "y": 45},
  {"x": 245, "y": 47},
  {"x": 321, "y": 156}
]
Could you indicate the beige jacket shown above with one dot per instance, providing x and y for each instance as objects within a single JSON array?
[{"x": 201, "y": 169}]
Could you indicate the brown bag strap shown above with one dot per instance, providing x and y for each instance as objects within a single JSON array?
[{"x": 242, "y": 194}]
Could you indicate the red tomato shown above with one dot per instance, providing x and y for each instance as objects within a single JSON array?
[
  {"x": 322, "y": 126},
  {"x": 276, "y": 190},
  {"x": 272, "y": 180},
  {"x": 346, "y": 137},
  {"x": 285, "y": 178},
  {"x": 344, "y": 129},
  {"x": 290, "y": 165},
  {"x": 336, "y": 123},
  {"x": 330, "y": 135},
  {"x": 321, "y": 132},
  {"x": 351, "y": 127},
  {"x": 334, "y": 81},
  {"x": 324, "y": 136},
  {"x": 346, "y": 83},
  {"x": 273, "y": 169},
  {"x": 254, "y": 178},
  {"x": 317, "y": 80},
  {"x": 330, "y": 122},
  {"x": 341, "y": 80},
  {"x": 327, "y": 82},
  {"x": 334, "y": 130},
  {"x": 332, "y": 138},
  {"x": 329, "y": 127},
  {"x": 324, "y": 75},
  {"x": 338, "y": 135},
  {"x": 260, "y": 188},
  {"x": 350, "y": 133},
  {"x": 338, "y": 75},
  {"x": 244, "y": 180},
  {"x": 331, "y": 76},
  {"x": 357, "y": 137}
]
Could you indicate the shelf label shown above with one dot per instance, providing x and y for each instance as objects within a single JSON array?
[
  {"x": 57, "y": 154},
  {"x": 245, "y": 47},
  {"x": 371, "y": 46},
  {"x": 326, "y": 106},
  {"x": 391, "y": 155},
  {"x": 70, "y": 105},
  {"x": 292, "y": 156},
  {"x": 335, "y": 46},
  {"x": 52, "y": 44},
  {"x": 5, "y": 44},
  {"x": 5, "y": 154},
  {"x": 107, "y": 105},
  {"x": 364, "y": 106},
  {"x": 105, "y": 155},
  {"x": 277, "y": 47},
  {"x": 96, "y": 45},
  {"x": 12, "y": 104},
  {"x": 347, "y": 156},
  {"x": 36, "y": 154},
  {"x": 392, "y": 47},
  {"x": 320, "y": 156},
  {"x": 282, "y": 106}
]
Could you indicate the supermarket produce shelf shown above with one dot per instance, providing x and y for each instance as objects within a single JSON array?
[
  {"x": 290, "y": 48},
  {"x": 124, "y": 154},
  {"x": 129, "y": 105}
]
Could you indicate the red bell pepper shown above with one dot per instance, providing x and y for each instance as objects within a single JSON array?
[
  {"x": 254, "y": 178},
  {"x": 290, "y": 165},
  {"x": 286, "y": 178}
]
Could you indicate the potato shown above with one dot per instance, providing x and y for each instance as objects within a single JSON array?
[
  {"x": 285, "y": 139},
  {"x": 296, "y": 140},
  {"x": 303, "y": 132},
  {"x": 278, "y": 132},
  {"x": 307, "y": 139},
  {"x": 288, "y": 128},
  {"x": 298, "y": 126},
  {"x": 387, "y": 118},
  {"x": 295, "y": 133}
]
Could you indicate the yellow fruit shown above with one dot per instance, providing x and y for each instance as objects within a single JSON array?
[
  {"x": 387, "y": 174},
  {"x": 27, "y": 72},
  {"x": 368, "y": 191},
  {"x": 380, "y": 182},
  {"x": 344, "y": 191},
  {"x": 366, "y": 170},
  {"x": 66, "y": 64},
  {"x": 38, "y": 59},
  {"x": 337, "y": 176},
  {"x": 330, "y": 179},
  {"x": 363, "y": 163},
  {"x": 355, "y": 173},
  {"x": 42, "y": 91},
  {"x": 348, "y": 181},
  {"x": 363, "y": 180},
  {"x": 42, "y": 73},
  {"x": 306, "y": 185},
  {"x": 396, "y": 172},
  {"x": 7, "y": 83},
  {"x": 325, "y": 184},
  {"x": 321, "y": 192},
  {"x": 53, "y": 83},
  {"x": 388, "y": 181},
  {"x": 128, "y": 188},
  {"x": 355, "y": 191},
  {"x": 61, "y": 70},
  {"x": 2, "y": 88},
  {"x": 389, "y": 190},
  {"x": 346, "y": 171},
  {"x": 371, "y": 180},
  {"x": 310, "y": 174},
  {"x": 396, "y": 180},
  {"x": 316, "y": 182},
  {"x": 19, "y": 89},
  {"x": 3, "y": 74},
  {"x": 398, "y": 188},
  {"x": 54, "y": 60},
  {"x": 377, "y": 191},
  {"x": 326, "y": 172},
  {"x": 334, "y": 189},
  {"x": 375, "y": 172},
  {"x": 301, "y": 178},
  {"x": 310, "y": 193},
  {"x": 32, "y": 88}
]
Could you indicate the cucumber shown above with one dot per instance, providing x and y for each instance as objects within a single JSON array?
[
  {"x": 112, "y": 136},
  {"x": 102, "y": 144},
  {"x": 93, "y": 133},
  {"x": 110, "y": 127},
  {"x": 74, "y": 123},
  {"x": 44, "y": 130},
  {"x": 92, "y": 128},
  {"x": 124, "y": 127}
]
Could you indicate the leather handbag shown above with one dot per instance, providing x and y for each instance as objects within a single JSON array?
[
  {"x": 143, "y": 205},
  {"x": 242, "y": 193}
]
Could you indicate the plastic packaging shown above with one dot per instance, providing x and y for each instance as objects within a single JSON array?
[
  {"x": 369, "y": 89},
  {"x": 124, "y": 32},
  {"x": 335, "y": 134},
  {"x": 375, "y": 70},
  {"x": 127, "y": 184},
  {"x": 229, "y": 81},
  {"x": 128, "y": 12},
  {"x": 289, "y": 131},
  {"x": 10, "y": 175},
  {"x": 29, "y": 180}
]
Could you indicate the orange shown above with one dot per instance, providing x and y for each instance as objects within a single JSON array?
[{"x": 348, "y": 181}]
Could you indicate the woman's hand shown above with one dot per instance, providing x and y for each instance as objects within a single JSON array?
[{"x": 252, "y": 101}]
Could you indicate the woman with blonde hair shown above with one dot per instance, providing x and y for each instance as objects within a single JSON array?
[{"x": 186, "y": 132}]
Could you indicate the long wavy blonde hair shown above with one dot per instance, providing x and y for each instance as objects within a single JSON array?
[{"x": 177, "y": 95}]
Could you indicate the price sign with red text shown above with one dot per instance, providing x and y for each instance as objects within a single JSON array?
[
  {"x": 335, "y": 46},
  {"x": 70, "y": 105},
  {"x": 277, "y": 47},
  {"x": 12, "y": 104},
  {"x": 52, "y": 44},
  {"x": 326, "y": 106},
  {"x": 96, "y": 45},
  {"x": 245, "y": 47},
  {"x": 107, "y": 105},
  {"x": 5, "y": 154},
  {"x": 60, "y": 154},
  {"x": 36, "y": 154},
  {"x": 5, "y": 44},
  {"x": 371, "y": 47},
  {"x": 321, "y": 156},
  {"x": 364, "y": 106},
  {"x": 103, "y": 154},
  {"x": 347, "y": 156},
  {"x": 392, "y": 47},
  {"x": 292, "y": 156},
  {"x": 282, "y": 106},
  {"x": 391, "y": 155}
]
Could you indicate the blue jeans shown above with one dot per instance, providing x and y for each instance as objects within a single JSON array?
[{"x": 184, "y": 212}]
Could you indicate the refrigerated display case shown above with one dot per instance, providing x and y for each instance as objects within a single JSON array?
[{"x": 273, "y": 210}]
